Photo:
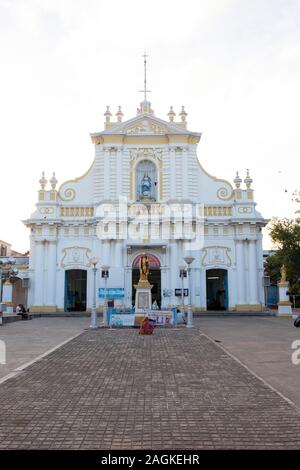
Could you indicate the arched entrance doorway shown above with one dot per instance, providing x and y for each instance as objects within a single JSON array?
[
  {"x": 154, "y": 277},
  {"x": 75, "y": 290},
  {"x": 217, "y": 289}
]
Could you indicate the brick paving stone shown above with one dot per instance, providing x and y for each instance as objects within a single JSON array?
[{"x": 115, "y": 389}]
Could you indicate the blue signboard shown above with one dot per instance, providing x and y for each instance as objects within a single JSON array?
[{"x": 111, "y": 293}]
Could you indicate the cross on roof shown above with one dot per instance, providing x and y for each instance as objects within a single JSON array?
[{"x": 145, "y": 91}]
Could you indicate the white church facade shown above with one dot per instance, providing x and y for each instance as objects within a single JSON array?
[{"x": 146, "y": 192}]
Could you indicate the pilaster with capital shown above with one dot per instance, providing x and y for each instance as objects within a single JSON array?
[
  {"x": 51, "y": 273},
  {"x": 240, "y": 267},
  {"x": 172, "y": 173},
  {"x": 39, "y": 273},
  {"x": 252, "y": 264}
]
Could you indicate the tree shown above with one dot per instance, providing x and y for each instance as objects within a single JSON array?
[{"x": 285, "y": 234}]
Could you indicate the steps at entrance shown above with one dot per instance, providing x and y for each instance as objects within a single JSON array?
[{"x": 218, "y": 313}]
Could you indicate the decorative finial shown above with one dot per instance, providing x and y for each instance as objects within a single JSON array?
[
  {"x": 183, "y": 114},
  {"x": 119, "y": 114},
  {"x": 171, "y": 114},
  {"x": 43, "y": 181},
  {"x": 107, "y": 115},
  {"x": 248, "y": 180},
  {"x": 237, "y": 180},
  {"x": 145, "y": 91},
  {"x": 53, "y": 181}
]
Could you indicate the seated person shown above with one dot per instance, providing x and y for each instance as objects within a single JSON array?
[
  {"x": 146, "y": 327},
  {"x": 180, "y": 316},
  {"x": 21, "y": 310}
]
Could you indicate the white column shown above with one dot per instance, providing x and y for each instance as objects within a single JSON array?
[
  {"x": 260, "y": 272},
  {"x": 119, "y": 253},
  {"x": 128, "y": 286},
  {"x": 185, "y": 175},
  {"x": 252, "y": 264},
  {"x": 203, "y": 301},
  {"x": 39, "y": 274},
  {"x": 172, "y": 173},
  {"x": 106, "y": 174},
  {"x": 51, "y": 274},
  {"x": 240, "y": 266},
  {"x": 232, "y": 290},
  {"x": 164, "y": 285},
  {"x": 60, "y": 288},
  {"x": 119, "y": 170},
  {"x": 106, "y": 253},
  {"x": 90, "y": 287},
  {"x": 196, "y": 287}
]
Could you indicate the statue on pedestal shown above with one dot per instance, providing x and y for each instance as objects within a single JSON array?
[
  {"x": 144, "y": 268},
  {"x": 283, "y": 273},
  {"x": 143, "y": 297}
]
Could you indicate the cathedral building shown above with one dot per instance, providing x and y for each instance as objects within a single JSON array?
[{"x": 146, "y": 192}]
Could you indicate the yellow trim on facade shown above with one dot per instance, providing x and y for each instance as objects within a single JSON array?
[
  {"x": 248, "y": 308},
  {"x": 141, "y": 140},
  {"x": 284, "y": 302},
  {"x": 76, "y": 211},
  {"x": 43, "y": 308},
  {"x": 113, "y": 139},
  {"x": 131, "y": 184}
]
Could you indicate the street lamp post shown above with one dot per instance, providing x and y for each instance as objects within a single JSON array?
[
  {"x": 93, "y": 324},
  {"x": 2, "y": 262},
  {"x": 182, "y": 275},
  {"x": 189, "y": 260},
  {"x": 105, "y": 275}
]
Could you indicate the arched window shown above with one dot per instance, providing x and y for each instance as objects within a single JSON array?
[{"x": 146, "y": 181}]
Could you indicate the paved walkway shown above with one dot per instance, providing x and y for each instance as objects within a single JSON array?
[
  {"x": 25, "y": 340},
  {"x": 114, "y": 389},
  {"x": 264, "y": 345}
]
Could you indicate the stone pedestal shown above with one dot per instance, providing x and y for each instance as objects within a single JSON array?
[
  {"x": 284, "y": 304},
  {"x": 7, "y": 296},
  {"x": 143, "y": 297}
]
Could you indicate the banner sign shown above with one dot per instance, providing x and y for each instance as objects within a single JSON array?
[
  {"x": 178, "y": 292},
  {"x": 111, "y": 293},
  {"x": 130, "y": 319},
  {"x": 123, "y": 319}
]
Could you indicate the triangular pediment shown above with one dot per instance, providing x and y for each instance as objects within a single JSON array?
[{"x": 145, "y": 126}]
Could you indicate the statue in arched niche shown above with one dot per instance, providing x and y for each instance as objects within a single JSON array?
[{"x": 146, "y": 186}]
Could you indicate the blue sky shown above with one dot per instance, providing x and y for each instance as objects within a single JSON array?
[{"x": 235, "y": 65}]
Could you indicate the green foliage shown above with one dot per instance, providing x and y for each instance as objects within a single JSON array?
[
  {"x": 285, "y": 234},
  {"x": 272, "y": 267}
]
